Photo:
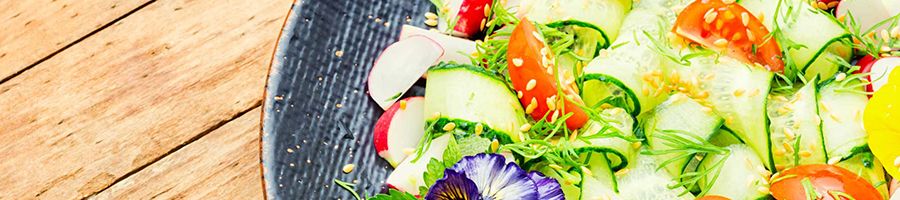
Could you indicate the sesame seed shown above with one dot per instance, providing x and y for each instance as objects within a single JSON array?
[
  {"x": 531, "y": 106},
  {"x": 728, "y": 15},
  {"x": 897, "y": 161},
  {"x": 530, "y": 85},
  {"x": 764, "y": 190},
  {"x": 586, "y": 171},
  {"x": 750, "y": 35},
  {"x": 348, "y": 168},
  {"x": 408, "y": 151},
  {"x": 832, "y": 4},
  {"x": 789, "y": 134},
  {"x": 449, "y": 126},
  {"x": 339, "y": 53},
  {"x": 495, "y": 145},
  {"x": 884, "y": 34},
  {"x": 554, "y": 116},
  {"x": 289, "y": 150},
  {"x": 885, "y": 49},
  {"x": 834, "y": 117},
  {"x": 573, "y": 136},
  {"x": 537, "y": 36},
  {"x": 555, "y": 166},
  {"x": 895, "y": 32},
  {"x": 478, "y": 129},
  {"x": 636, "y": 145},
  {"x": 834, "y": 160},
  {"x": 840, "y": 77},
  {"x": 707, "y": 109},
  {"x": 435, "y": 115},
  {"x": 481, "y": 27},
  {"x": 737, "y": 36},
  {"x": 805, "y": 154},
  {"x": 519, "y": 94},
  {"x": 753, "y": 93},
  {"x": 402, "y": 104},
  {"x": 430, "y": 15},
  {"x": 645, "y": 91},
  {"x": 518, "y": 62},
  {"x": 761, "y": 16},
  {"x": 431, "y": 22},
  {"x": 339, "y": 105},
  {"x": 721, "y": 42},
  {"x": 525, "y": 127},
  {"x": 745, "y": 19},
  {"x": 622, "y": 172},
  {"x": 710, "y": 15},
  {"x": 728, "y": 1},
  {"x": 738, "y": 92},
  {"x": 551, "y": 102},
  {"x": 787, "y": 147},
  {"x": 487, "y": 10}
]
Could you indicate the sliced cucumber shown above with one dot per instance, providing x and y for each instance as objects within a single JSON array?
[
  {"x": 736, "y": 92},
  {"x": 841, "y": 110},
  {"x": 620, "y": 74},
  {"x": 472, "y": 94},
  {"x": 866, "y": 166},
  {"x": 601, "y": 19},
  {"x": 740, "y": 176},
  {"x": 724, "y": 138},
  {"x": 617, "y": 150},
  {"x": 678, "y": 116},
  {"x": 796, "y": 130},
  {"x": 643, "y": 181},
  {"x": 796, "y": 19},
  {"x": 599, "y": 183}
]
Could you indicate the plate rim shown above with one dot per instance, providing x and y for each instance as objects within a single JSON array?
[{"x": 275, "y": 65}]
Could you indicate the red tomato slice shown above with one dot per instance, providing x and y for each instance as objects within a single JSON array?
[
  {"x": 713, "y": 197},
  {"x": 829, "y": 181},
  {"x": 530, "y": 77},
  {"x": 728, "y": 26}
]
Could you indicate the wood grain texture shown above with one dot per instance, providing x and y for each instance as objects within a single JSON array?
[
  {"x": 128, "y": 95},
  {"x": 222, "y": 165},
  {"x": 33, "y": 29}
]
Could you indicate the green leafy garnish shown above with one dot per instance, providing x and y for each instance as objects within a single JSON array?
[
  {"x": 349, "y": 187},
  {"x": 393, "y": 195},
  {"x": 685, "y": 145}
]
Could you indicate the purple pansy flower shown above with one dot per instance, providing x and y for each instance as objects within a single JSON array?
[{"x": 489, "y": 177}]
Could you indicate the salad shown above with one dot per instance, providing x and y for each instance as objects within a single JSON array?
[{"x": 642, "y": 99}]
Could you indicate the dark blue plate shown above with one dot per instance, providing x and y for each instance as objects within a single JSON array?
[{"x": 317, "y": 115}]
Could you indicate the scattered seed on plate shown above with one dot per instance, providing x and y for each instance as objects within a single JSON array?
[{"x": 348, "y": 168}]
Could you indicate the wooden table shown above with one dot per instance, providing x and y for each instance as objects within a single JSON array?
[{"x": 133, "y": 99}]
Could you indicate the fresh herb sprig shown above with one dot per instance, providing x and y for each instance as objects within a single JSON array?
[{"x": 685, "y": 145}]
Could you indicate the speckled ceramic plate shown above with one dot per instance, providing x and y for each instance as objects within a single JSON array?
[{"x": 317, "y": 115}]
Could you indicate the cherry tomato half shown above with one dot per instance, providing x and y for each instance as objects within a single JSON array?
[
  {"x": 532, "y": 75},
  {"x": 728, "y": 26},
  {"x": 829, "y": 182}
]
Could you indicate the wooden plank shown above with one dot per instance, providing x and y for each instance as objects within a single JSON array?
[
  {"x": 128, "y": 95},
  {"x": 35, "y": 29},
  {"x": 222, "y": 165}
]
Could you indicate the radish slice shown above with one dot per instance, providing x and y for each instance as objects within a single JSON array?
[
  {"x": 399, "y": 129},
  {"x": 867, "y": 13},
  {"x": 458, "y": 49},
  {"x": 880, "y": 70},
  {"x": 400, "y": 66}
]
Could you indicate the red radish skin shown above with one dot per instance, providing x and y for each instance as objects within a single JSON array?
[
  {"x": 399, "y": 66},
  {"x": 879, "y": 69},
  {"x": 472, "y": 17},
  {"x": 457, "y": 49},
  {"x": 397, "y": 124}
]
